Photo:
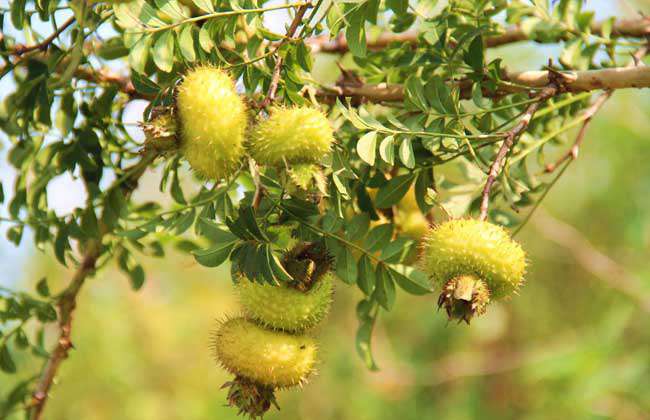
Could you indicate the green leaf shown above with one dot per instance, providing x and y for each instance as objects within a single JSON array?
[
  {"x": 18, "y": 13},
  {"x": 385, "y": 291},
  {"x": 7, "y": 363},
  {"x": 346, "y": 266},
  {"x": 144, "y": 85},
  {"x": 358, "y": 226},
  {"x": 406, "y": 154},
  {"x": 66, "y": 114},
  {"x": 410, "y": 280},
  {"x": 112, "y": 49},
  {"x": 397, "y": 250},
  {"x": 363, "y": 344},
  {"x": 474, "y": 54},
  {"x": 366, "y": 147},
  {"x": 163, "y": 51},
  {"x": 136, "y": 277},
  {"x": 398, "y": 6},
  {"x": 186, "y": 42},
  {"x": 214, "y": 232},
  {"x": 205, "y": 5},
  {"x": 366, "y": 278},
  {"x": 278, "y": 269},
  {"x": 379, "y": 236},
  {"x": 355, "y": 33},
  {"x": 215, "y": 256},
  {"x": 42, "y": 288},
  {"x": 139, "y": 55},
  {"x": 387, "y": 150},
  {"x": 393, "y": 191},
  {"x": 172, "y": 9},
  {"x": 415, "y": 93}
]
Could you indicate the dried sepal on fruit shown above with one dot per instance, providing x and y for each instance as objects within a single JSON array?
[
  {"x": 464, "y": 297},
  {"x": 267, "y": 357},
  {"x": 252, "y": 399},
  {"x": 292, "y": 135},
  {"x": 212, "y": 122},
  {"x": 481, "y": 250},
  {"x": 286, "y": 308},
  {"x": 161, "y": 132}
]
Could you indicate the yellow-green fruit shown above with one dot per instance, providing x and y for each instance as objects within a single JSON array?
[
  {"x": 212, "y": 121},
  {"x": 267, "y": 357},
  {"x": 297, "y": 135},
  {"x": 286, "y": 308},
  {"x": 474, "y": 247}
]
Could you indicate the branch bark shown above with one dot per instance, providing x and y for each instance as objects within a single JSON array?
[
  {"x": 512, "y": 136},
  {"x": 20, "y": 49},
  {"x": 574, "y": 81},
  {"x": 67, "y": 302},
  {"x": 633, "y": 28}
]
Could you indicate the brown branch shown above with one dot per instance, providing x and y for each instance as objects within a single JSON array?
[
  {"x": 67, "y": 301},
  {"x": 106, "y": 76},
  {"x": 511, "y": 138},
  {"x": 275, "y": 77},
  {"x": 67, "y": 304},
  {"x": 591, "y": 259},
  {"x": 20, "y": 49},
  {"x": 633, "y": 28},
  {"x": 521, "y": 82}
]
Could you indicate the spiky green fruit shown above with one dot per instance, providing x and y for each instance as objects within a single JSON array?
[
  {"x": 474, "y": 247},
  {"x": 266, "y": 357},
  {"x": 294, "y": 135},
  {"x": 212, "y": 122},
  {"x": 286, "y": 308}
]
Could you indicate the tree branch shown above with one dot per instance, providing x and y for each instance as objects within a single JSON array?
[
  {"x": 512, "y": 136},
  {"x": 633, "y": 28},
  {"x": 68, "y": 299},
  {"x": 589, "y": 114},
  {"x": 573, "y": 81},
  {"x": 275, "y": 77},
  {"x": 20, "y": 49}
]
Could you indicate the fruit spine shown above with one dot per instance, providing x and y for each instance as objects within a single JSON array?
[
  {"x": 472, "y": 262},
  {"x": 295, "y": 135},
  {"x": 269, "y": 347},
  {"x": 212, "y": 122}
]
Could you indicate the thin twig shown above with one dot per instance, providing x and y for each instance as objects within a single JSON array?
[
  {"x": 67, "y": 302},
  {"x": 512, "y": 136},
  {"x": 20, "y": 49},
  {"x": 275, "y": 77},
  {"x": 589, "y": 114}
]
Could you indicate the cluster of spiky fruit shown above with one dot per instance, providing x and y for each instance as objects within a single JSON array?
[
  {"x": 270, "y": 347},
  {"x": 472, "y": 262},
  {"x": 208, "y": 125}
]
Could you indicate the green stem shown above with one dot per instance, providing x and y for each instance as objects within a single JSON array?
[{"x": 542, "y": 197}]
